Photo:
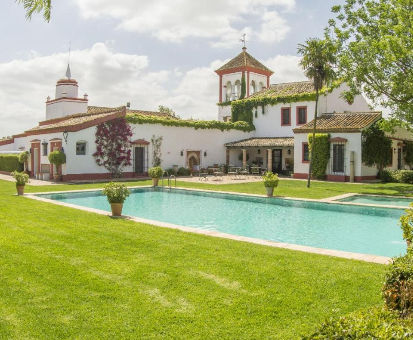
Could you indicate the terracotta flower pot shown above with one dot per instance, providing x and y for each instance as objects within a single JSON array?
[
  {"x": 116, "y": 209},
  {"x": 155, "y": 181},
  {"x": 57, "y": 178},
  {"x": 20, "y": 189},
  {"x": 270, "y": 191}
]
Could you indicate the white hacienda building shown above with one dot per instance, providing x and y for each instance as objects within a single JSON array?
[{"x": 282, "y": 116}]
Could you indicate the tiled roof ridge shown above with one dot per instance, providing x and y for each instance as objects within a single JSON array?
[
  {"x": 83, "y": 114},
  {"x": 351, "y": 113},
  {"x": 291, "y": 82}
]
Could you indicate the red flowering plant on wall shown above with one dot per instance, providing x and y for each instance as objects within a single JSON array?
[{"x": 113, "y": 146}]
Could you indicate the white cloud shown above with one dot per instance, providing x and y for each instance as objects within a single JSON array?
[
  {"x": 110, "y": 79},
  {"x": 286, "y": 69},
  {"x": 221, "y": 22}
]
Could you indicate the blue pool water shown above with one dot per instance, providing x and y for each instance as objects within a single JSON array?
[
  {"x": 358, "y": 229},
  {"x": 367, "y": 199}
]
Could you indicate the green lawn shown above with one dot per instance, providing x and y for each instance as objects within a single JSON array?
[
  {"x": 286, "y": 188},
  {"x": 69, "y": 274}
]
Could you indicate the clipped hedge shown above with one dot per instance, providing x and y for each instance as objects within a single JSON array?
[
  {"x": 321, "y": 155},
  {"x": 397, "y": 176},
  {"x": 196, "y": 124},
  {"x": 10, "y": 163},
  {"x": 372, "y": 324}
]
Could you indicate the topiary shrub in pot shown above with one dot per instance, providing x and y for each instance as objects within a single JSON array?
[
  {"x": 270, "y": 182},
  {"x": 21, "y": 179},
  {"x": 57, "y": 158},
  {"x": 155, "y": 173},
  {"x": 23, "y": 158},
  {"x": 116, "y": 194}
]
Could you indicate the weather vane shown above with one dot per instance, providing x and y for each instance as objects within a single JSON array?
[{"x": 244, "y": 40}]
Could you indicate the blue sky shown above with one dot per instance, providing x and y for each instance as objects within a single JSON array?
[{"x": 148, "y": 53}]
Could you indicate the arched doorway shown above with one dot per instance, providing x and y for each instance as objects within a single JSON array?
[{"x": 193, "y": 160}]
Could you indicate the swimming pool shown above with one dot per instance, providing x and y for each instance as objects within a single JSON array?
[
  {"x": 380, "y": 200},
  {"x": 367, "y": 230}
]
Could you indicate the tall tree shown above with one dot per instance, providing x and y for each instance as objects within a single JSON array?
[
  {"x": 37, "y": 6},
  {"x": 243, "y": 87},
  {"x": 318, "y": 59},
  {"x": 375, "y": 52}
]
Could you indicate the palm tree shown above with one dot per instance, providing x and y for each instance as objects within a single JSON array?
[
  {"x": 37, "y": 6},
  {"x": 317, "y": 61}
]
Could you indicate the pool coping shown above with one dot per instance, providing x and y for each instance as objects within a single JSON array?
[
  {"x": 314, "y": 250},
  {"x": 335, "y": 199}
]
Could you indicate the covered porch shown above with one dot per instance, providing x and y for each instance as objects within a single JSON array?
[{"x": 275, "y": 154}]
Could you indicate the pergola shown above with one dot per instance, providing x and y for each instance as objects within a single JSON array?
[{"x": 268, "y": 143}]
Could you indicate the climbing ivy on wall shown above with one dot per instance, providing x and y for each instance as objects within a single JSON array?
[
  {"x": 196, "y": 124},
  {"x": 408, "y": 153},
  {"x": 156, "y": 150},
  {"x": 242, "y": 110},
  {"x": 243, "y": 87},
  {"x": 321, "y": 155}
]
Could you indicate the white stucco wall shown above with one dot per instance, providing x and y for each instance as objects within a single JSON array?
[
  {"x": 65, "y": 107},
  {"x": 353, "y": 144}
]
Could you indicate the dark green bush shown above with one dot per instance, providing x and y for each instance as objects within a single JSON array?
[
  {"x": 171, "y": 171},
  {"x": 373, "y": 324},
  {"x": 321, "y": 155},
  {"x": 183, "y": 171},
  {"x": 10, "y": 163},
  {"x": 397, "y": 176},
  {"x": 398, "y": 286}
]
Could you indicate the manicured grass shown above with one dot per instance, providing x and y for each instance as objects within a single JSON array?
[
  {"x": 69, "y": 274},
  {"x": 286, "y": 188}
]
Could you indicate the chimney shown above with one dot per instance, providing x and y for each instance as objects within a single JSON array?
[
  {"x": 48, "y": 98},
  {"x": 85, "y": 96},
  {"x": 128, "y": 105}
]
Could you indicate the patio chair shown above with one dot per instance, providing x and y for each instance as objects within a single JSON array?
[
  {"x": 203, "y": 174},
  {"x": 244, "y": 171},
  {"x": 232, "y": 173},
  {"x": 255, "y": 170}
]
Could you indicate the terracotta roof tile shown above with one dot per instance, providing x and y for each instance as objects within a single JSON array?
[
  {"x": 76, "y": 119},
  {"x": 341, "y": 122},
  {"x": 285, "y": 89},
  {"x": 241, "y": 60},
  {"x": 263, "y": 142},
  {"x": 148, "y": 113}
]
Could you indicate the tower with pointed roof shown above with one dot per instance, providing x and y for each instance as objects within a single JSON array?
[
  {"x": 257, "y": 77},
  {"x": 66, "y": 101}
]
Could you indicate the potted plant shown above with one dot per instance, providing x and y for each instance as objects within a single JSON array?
[
  {"x": 21, "y": 179},
  {"x": 116, "y": 194},
  {"x": 270, "y": 182},
  {"x": 57, "y": 158},
  {"x": 155, "y": 173}
]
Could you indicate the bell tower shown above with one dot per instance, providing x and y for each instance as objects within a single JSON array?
[
  {"x": 243, "y": 68},
  {"x": 66, "y": 101}
]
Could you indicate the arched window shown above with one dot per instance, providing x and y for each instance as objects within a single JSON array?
[
  {"x": 253, "y": 88},
  {"x": 237, "y": 90},
  {"x": 260, "y": 86},
  {"x": 228, "y": 92}
]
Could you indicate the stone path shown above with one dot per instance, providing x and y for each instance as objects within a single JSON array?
[{"x": 34, "y": 182}]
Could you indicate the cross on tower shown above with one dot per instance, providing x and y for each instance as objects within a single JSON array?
[{"x": 244, "y": 40}]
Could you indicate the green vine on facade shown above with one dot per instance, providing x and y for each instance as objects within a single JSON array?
[
  {"x": 196, "y": 124},
  {"x": 156, "y": 150},
  {"x": 408, "y": 153},
  {"x": 243, "y": 87},
  {"x": 243, "y": 110},
  {"x": 322, "y": 154}
]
